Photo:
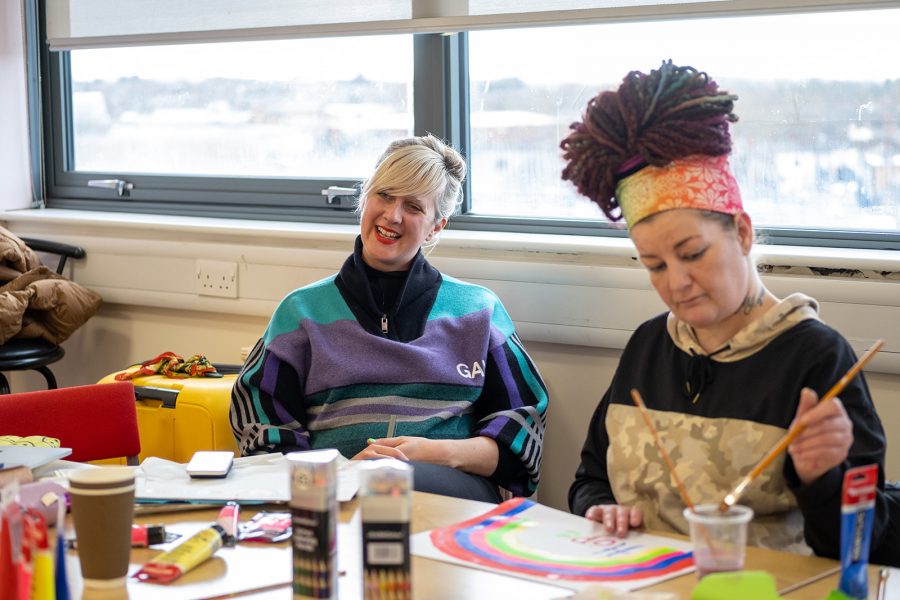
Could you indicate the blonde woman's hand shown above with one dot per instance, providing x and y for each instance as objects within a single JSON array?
[
  {"x": 382, "y": 448},
  {"x": 414, "y": 448}
]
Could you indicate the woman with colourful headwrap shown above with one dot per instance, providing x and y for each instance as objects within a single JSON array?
[{"x": 730, "y": 367}]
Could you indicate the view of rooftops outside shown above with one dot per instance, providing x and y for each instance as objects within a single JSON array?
[
  {"x": 262, "y": 109},
  {"x": 817, "y": 144}
]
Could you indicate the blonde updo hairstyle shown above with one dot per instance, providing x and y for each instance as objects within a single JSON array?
[{"x": 419, "y": 166}]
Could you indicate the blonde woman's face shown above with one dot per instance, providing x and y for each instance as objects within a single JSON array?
[{"x": 393, "y": 228}]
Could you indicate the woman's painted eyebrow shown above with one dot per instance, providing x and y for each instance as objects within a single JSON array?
[
  {"x": 685, "y": 241},
  {"x": 677, "y": 246}
]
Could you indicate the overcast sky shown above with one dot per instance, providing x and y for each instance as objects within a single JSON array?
[{"x": 860, "y": 46}]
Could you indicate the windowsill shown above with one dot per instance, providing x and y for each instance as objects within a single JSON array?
[{"x": 458, "y": 243}]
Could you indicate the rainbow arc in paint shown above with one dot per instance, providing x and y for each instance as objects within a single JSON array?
[{"x": 507, "y": 539}]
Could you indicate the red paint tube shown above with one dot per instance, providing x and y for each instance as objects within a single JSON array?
[{"x": 143, "y": 536}]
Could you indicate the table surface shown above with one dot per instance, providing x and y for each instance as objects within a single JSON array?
[{"x": 263, "y": 571}]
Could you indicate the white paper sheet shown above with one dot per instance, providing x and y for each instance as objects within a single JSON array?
[
  {"x": 32, "y": 457},
  {"x": 261, "y": 478}
]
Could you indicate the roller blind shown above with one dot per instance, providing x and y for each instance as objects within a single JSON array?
[{"x": 74, "y": 24}]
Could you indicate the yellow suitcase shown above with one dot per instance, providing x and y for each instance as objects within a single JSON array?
[{"x": 177, "y": 417}]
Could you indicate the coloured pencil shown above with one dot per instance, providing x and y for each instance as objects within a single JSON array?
[{"x": 392, "y": 424}]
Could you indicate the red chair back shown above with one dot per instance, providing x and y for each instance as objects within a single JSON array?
[{"x": 96, "y": 421}]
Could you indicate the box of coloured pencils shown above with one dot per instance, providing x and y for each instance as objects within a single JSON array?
[
  {"x": 385, "y": 498},
  {"x": 314, "y": 520}
]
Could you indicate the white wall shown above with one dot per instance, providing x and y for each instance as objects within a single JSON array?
[
  {"x": 576, "y": 376},
  {"x": 15, "y": 190}
]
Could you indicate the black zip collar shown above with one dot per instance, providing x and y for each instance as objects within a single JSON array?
[{"x": 405, "y": 321}]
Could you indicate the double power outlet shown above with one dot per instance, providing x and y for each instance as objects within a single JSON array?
[{"x": 217, "y": 278}]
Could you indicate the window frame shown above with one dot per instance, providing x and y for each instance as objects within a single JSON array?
[
  {"x": 441, "y": 108},
  {"x": 285, "y": 199}
]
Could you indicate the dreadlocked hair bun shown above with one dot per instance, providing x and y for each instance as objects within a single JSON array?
[{"x": 654, "y": 119}]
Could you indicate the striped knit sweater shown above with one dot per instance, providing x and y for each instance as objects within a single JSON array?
[{"x": 324, "y": 375}]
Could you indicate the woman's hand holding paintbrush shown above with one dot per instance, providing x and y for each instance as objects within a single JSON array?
[
  {"x": 826, "y": 438},
  {"x": 809, "y": 455}
]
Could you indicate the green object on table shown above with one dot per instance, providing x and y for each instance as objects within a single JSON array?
[
  {"x": 736, "y": 585},
  {"x": 838, "y": 595}
]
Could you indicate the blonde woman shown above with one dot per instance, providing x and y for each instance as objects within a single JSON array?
[{"x": 391, "y": 358}]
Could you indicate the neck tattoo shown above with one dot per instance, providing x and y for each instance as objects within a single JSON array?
[{"x": 751, "y": 301}]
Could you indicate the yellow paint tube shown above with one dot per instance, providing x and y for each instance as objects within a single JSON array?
[{"x": 170, "y": 565}]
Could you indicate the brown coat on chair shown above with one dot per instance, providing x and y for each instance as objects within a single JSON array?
[{"x": 36, "y": 302}]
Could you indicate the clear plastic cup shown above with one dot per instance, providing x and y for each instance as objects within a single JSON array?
[{"x": 719, "y": 539}]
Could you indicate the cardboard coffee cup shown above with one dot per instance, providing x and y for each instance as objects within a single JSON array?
[{"x": 102, "y": 508}]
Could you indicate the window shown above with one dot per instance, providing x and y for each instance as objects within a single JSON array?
[
  {"x": 244, "y": 109},
  {"x": 817, "y": 145},
  {"x": 261, "y": 128}
]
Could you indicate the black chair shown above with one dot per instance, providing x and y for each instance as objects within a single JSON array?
[{"x": 35, "y": 354}]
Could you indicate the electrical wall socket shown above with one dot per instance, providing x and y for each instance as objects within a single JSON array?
[{"x": 217, "y": 278}]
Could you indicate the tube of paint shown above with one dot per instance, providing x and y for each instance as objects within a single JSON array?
[
  {"x": 314, "y": 522},
  {"x": 385, "y": 497},
  {"x": 170, "y": 565},
  {"x": 857, "y": 516},
  {"x": 143, "y": 536}
]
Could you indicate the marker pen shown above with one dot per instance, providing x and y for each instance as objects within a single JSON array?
[{"x": 228, "y": 518}]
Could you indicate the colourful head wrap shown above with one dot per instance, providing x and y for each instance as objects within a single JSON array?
[
  {"x": 698, "y": 181},
  {"x": 667, "y": 119}
]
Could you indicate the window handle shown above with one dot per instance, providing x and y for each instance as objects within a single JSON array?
[
  {"x": 334, "y": 193},
  {"x": 122, "y": 187}
]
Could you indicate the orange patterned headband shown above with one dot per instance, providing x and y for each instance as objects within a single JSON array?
[{"x": 702, "y": 182}]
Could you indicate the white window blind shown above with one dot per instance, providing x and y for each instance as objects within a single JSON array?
[{"x": 75, "y": 24}]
